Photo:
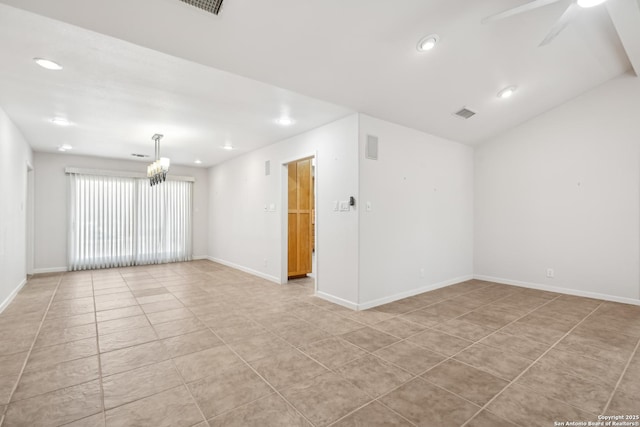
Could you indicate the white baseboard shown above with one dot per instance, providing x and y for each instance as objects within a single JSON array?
[
  {"x": 245, "y": 269},
  {"x": 12, "y": 295},
  {"x": 50, "y": 270},
  {"x": 412, "y": 292},
  {"x": 336, "y": 300},
  {"x": 559, "y": 290}
]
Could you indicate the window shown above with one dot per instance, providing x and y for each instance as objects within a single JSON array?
[{"x": 120, "y": 221}]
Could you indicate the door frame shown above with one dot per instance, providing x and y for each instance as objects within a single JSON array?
[
  {"x": 29, "y": 220},
  {"x": 284, "y": 217}
]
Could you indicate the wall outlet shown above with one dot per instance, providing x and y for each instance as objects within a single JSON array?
[{"x": 550, "y": 273}]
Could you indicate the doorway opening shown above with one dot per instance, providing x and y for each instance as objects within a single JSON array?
[{"x": 301, "y": 259}]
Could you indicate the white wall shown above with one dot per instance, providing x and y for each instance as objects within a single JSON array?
[
  {"x": 421, "y": 217},
  {"x": 242, "y": 234},
  {"x": 15, "y": 154},
  {"x": 562, "y": 191},
  {"x": 364, "y": 258},
  {"x": 51, "y": 196}
]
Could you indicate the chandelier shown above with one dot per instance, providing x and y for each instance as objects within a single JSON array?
[{"x": 157, "y": 171}]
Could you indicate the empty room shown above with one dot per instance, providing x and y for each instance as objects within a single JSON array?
[{"x": 319, "y": 213}]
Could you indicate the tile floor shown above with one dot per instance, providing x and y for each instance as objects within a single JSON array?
[{"x": 200, "y": 344}]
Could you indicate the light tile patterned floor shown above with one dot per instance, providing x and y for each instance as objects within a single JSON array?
[{"x": 200, "y": 344}]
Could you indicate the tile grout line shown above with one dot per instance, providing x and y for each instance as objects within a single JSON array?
[
  {"x": 439, "y": 301},
  {"x": 293, "y": 347},
  {"x": 144, "y": 313},
  {"x": 95, "y": 316},
  {"x": 398, "y": 316},
  {"x": 26, "y": 360},
  {"x": 173, "y": 363},
  {"x": 624, "y": 371},
  {"x": 135, "y": 400},
  {"x": 301, "y": 298},
  {"x": 254, "y": 371},
  {"x": 365, "y": 405},
  {"x": 35, "y": 339},
  {"x": 242, "y": 359},
  {"x": 334, "y": 371},
  {"x": 415, "y": 376},
  {"x": 373, "y": 399},
  {"x": 419, "y": 376},
  {"x": 486, "y": 405},
  {"x": 446, "y": 357},
  {"x": 98, "y": 356}
]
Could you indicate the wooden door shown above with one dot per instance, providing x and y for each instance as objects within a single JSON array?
[{"x": 300, "y": 218}]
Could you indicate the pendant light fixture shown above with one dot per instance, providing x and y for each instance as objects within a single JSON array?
[{"x": 157, "y": 171}]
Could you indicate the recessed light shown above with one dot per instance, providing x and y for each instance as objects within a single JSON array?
[
  {"x": 64, "y": 147},
  {"x": 285, "y": 121},
  {"x": 507, "y": 92},
  {"x": 60, "y": 121},
  {"x": 589, "y": 3},
  {"x": 227, "y": 146},
  {"x": 198, "y": 162},
  {"x": 48, "y": 64},
  {"x": 428, "y": 42}
]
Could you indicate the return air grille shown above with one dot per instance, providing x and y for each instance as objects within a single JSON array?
[
  {"x": 212, "y": 6},
  {"x": 465, "y": 113},
  {"x": 371, "y": 149}
]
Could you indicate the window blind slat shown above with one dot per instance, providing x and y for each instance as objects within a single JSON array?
[{"x": 117, "y": 221}]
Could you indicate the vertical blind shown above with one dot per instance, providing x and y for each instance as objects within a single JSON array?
[{"x": 119, "y": 221}]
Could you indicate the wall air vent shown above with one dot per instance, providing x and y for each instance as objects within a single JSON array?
[
  {"x": 142, "y": 156},
  {"x": 371, "y": 149},
  {"x": 465, "y": 113},
  {"x": 212, "y": 6}
]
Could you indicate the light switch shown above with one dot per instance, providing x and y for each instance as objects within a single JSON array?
[
  {"x": 368, "y": 206},
  {"x": 335, "y": 205},
  {"x": 272, "y": 207},
  {"x": 344, "y": 205}
]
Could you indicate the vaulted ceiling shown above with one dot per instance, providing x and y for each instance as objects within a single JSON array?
[{"x": 136, "y": 68}]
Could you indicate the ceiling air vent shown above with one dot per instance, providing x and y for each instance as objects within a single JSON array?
[
  {"x": 465, "y": 113},
  {"x": 212, "y": 6}
]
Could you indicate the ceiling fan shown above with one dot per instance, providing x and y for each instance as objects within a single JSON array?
[{"x": 560, "y": 24}]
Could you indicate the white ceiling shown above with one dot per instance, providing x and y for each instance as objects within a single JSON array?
[
  {"x": 358, "y": 53},
  {"x": 117, "y": 95}
]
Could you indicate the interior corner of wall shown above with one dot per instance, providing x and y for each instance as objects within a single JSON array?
[
  {"x": 337, "y": 300},
  {"x": 5, "y": 303}
]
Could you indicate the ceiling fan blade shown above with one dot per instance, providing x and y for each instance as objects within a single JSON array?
[
  {"x": 517, "y": 10},
  {"x": 561, "y": 24}
]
